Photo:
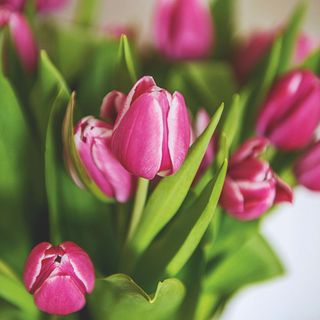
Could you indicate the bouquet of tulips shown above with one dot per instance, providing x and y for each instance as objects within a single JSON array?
[{"x": 134, "y": 179}]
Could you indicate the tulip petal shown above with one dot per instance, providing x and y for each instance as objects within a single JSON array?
[
  {"x": 137, "y": 141},
  {"x": 33, "y": 264},
  {"x": 45, "y": 6},
  {"x": 23, "y": 41},
  {"x": 112, "y": 104},
  {"x": 81, "y": 263},
  {"x": 251, "y": 148},
  {"x": 59, "y": 295},
  {"x": 179, "y": 131},
  {"x": 284, "y": 193}
]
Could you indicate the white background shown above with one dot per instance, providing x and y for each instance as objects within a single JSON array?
[{"x": 294, "y": 231}]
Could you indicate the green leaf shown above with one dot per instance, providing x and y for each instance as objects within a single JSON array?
[
  {"x": 290, "y": 36},
  {"x": 118, "y": 297},
  {"x": 44, "y": 92},
  {"x": 312, "y": 62},
  {"x": 86, "y": 12},
  {"x": 16, "y": 143},
  {"x": 13, "y": 291},
  {"x": 170, "y": 193},
  {"x": 223, "y": 12},
  {"x": 203, "y": 84},
  {"x": 182, "y": 236},
  {"x": 126, "y": 58},
  {"x": 71, "y": 154},
  {"x": 254, "y": 261}
]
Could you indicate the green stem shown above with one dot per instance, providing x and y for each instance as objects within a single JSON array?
[
  {"x": 139, "y": 202},
  {"x": 86, "y": 11}
]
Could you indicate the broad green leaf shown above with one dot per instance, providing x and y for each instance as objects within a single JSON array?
[
  {"x": 182, "y": 236},
  {"x": 203, "y": 84},
  {"x": 207, "y": 303},
  {"x": 16, "y": 175},
  {"x": 119, "y": 297},
  {"x": 72, "y": 156},
  {"x": 290, "y": 36},
  {"x": 254, "y": 261},
  {"x": 223, "y": 12},
  {"x": 13, "y": 291},
  {"x": 170, "y": 193}
]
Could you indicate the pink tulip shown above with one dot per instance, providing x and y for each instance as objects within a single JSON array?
[
  {"x": 251, "y": 51},
  {"x": 112, "y": 105},
  {"x": 152, "y": 132},
  {"x": 59, "y": 277},
  {"x": 291, "y": 112},
  {"x": 251, "y": 187},
  {"x": 201, "y": 122},
  {"x": 93, "y": 142},
  {"x": 307, "y": 169},
  {"x": 183, "y": 29},
  {"x": 12, "y": 5},
  {"x": 23, "y": 41}
]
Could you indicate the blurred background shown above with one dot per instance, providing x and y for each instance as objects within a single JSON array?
[{"x": 294, "y": 230}]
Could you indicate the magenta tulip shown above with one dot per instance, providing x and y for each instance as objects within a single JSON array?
[
  {"x": 45, "y": 6},
  {"x": 201, "y": 122},
  {"x": 251, "y": 51},
  {"x": 93, "y": 142},
  {"x": 251, "y": 187},
  {"x": 291, "y": 112},
  {"x": 183, "y": 29},
  {"x": 12, "y": 5},
  {"x": 112, "y": 105},
  {"x": 59, "y": 277},
  {"x": 307, "y": 169},
  {"x": 152, "y": 132}
]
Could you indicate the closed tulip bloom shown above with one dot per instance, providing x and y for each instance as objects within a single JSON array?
[
  {"x": 307, "y": 169},
  {"x": 152, "y": 132},
  {"x": 201, "y": 122},
  {"x": 183, "y": 29},
  {"x": 291, "y": 112},
  {"x": 251, "y": 51},
  {"x": 93, "y": 142},
  {"x": 59, "y": 277},
  {"x": 251, "y": 187}
]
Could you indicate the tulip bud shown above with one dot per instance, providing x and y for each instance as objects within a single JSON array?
[
  {"x": 92, "y": 139},
  {"x": 59, "y": 277},
  {"x": 152, "y": 132},
  {"x": 201, "y": 122},
  {"x": 291, "y": 112},
  {"x": 183, "y": 29},
  {"x": 251, "y": 187},
  {"x": 251, "y": 52},
  {"x": 307, "y": 169},
  {"x": 112, "y": 105}
]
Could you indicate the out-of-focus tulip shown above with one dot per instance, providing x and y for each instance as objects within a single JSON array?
[
  {"x": 23, "y": 41},
  {"x": 307, "y": 169},
  {"x": 291, "y": 112},
  {"x": 183, "y": 29},
  {"x": 111, "y": 105},
  {"x": 59, "y": 277},
  {"x": 152, "y": 131},
  {"x": 45, "y": 6},
  {"x": 201, "y": 122},
  {"x": 250, "y": 52},
  {"x": 93, "y": 142},
  {"x": 251, "y": 187},
  {"x": 13, "y": 5}
]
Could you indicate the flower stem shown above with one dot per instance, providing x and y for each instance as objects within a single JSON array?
[{"x": 139, "y": 202}]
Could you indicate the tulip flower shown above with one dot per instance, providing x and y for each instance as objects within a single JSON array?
[
  {"x": 14, "y": 5},
  {"x": 45, "y": 6},
  {"x": 307, "y": 169},
  {"x": 152, "y": 132},
  {"x": 291, "y": 112},
  {"x": 93, "y": 142},
  {"x": 201, "y": 122},
  {"x": 59, "y": 277},
  {"x": 22, "y": 37},
  {"x": 251, "y": 187},
  {"x": 251, "y": 52},
  {"x": 112, "y": 105},
  {"x": 183, "y": 29}
]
